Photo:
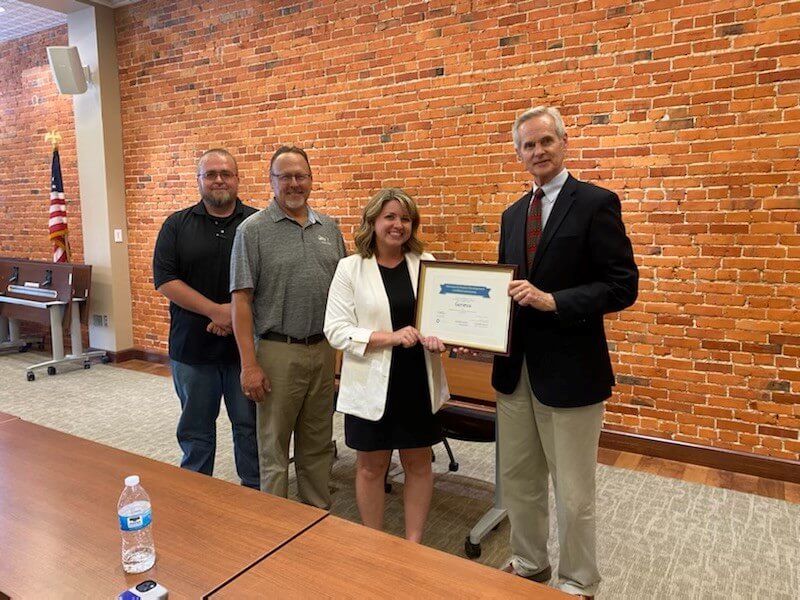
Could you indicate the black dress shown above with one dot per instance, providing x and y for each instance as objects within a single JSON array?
[{"x": 407, "y": 421}]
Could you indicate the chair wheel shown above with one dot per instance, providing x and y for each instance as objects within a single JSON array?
[
  {"x": 106, "y": 359},
  {"x": 30, "y": 376},
  {"x": 471, "y": 550},
  {"x": 24, "y": 348},
  {"x": 51, "y": 370},
  {"x": 453, "y": 466},
  {"x": 87, "y": 365}
]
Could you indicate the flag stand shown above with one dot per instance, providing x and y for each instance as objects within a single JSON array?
[{"x": 54, "y": 293}]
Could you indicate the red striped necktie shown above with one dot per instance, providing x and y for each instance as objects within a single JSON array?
[{"x": 534, "y": 225}]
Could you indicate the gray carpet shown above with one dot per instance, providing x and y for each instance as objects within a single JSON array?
[{"x": 658, "y": 537}]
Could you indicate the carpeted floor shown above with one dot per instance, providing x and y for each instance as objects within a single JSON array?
[{"x": 658, "y": 537}]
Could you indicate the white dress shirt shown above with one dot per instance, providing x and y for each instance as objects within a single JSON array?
[{"x": 551, "y": 191}]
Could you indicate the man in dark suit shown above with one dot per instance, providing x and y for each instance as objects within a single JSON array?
[{"x": 569, "y": 242}]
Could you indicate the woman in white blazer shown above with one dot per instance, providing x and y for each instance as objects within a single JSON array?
[{"x": 392, "y": 381}]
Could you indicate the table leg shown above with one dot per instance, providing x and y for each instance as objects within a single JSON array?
[
  {"x": 57, "y": 330},
  {"x": 75, "y": 329},
  {"x": 13, "y": 330}
]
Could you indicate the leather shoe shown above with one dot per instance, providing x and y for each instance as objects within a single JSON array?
[{"x": 542, "y": 576}]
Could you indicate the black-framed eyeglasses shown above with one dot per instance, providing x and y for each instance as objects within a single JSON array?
[
  {"x": 288, "y": 178},
  {"x": 212, "y": 175}
]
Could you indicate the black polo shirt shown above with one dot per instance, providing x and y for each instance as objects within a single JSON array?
[{"x": 195, "y": 247}]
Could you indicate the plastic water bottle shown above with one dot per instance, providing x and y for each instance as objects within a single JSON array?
[{"x": 135, "y": 516}]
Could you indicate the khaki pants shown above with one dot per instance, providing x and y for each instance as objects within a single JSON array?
[
  {"x": 536, "y": 440},
  {"x": 301, "y": 402}
]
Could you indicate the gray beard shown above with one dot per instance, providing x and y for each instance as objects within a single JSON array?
[
  {"x": 218, "y": 202},
  {"x": 295, "y": 204}
]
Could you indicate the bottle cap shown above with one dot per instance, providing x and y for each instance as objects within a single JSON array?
[{"x": 132, "y": 480}]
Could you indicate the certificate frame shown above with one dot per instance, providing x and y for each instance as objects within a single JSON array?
[{"x": 466, "y": 304}]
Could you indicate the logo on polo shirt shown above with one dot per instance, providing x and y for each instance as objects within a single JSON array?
[{"x": 323, "y": 240}]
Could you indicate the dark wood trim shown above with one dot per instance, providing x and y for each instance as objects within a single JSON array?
[
  {"x": 706, "y": 456},
  {"x": 154, "y": 357},
  {"x": 716, "y": 458},
  {"x": 121, "y": 356},
  {"x": 139, "y": 354}
]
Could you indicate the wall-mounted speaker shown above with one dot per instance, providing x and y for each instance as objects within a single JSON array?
[{"x": 70, "y": 76}]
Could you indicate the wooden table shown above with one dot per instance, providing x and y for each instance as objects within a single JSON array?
[
  {"x": 339, "y": 559},
  {"x": 59, "y": 533},
  {"x": 7, "y": 418}
]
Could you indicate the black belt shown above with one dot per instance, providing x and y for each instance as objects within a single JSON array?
[{"x": 279, "y": 337}]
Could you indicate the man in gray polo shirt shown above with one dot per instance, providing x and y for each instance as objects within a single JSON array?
[{"x": 282, "y": 264}]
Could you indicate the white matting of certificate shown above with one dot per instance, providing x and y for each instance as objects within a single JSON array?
[{"x": 465, "y": 304}]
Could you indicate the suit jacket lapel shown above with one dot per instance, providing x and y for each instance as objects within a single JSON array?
[
  {"x": 377, "y": 290},
  {"x": 412, "y": 263},
  {"x": 560, "y": 209}
]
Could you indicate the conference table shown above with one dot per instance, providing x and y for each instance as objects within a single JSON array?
[
  {"x": 5, "y": 418},
  {"x": 339, "y": 559},
  {"x": 59, "y": 533}
]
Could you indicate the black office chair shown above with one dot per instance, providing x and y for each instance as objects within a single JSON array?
[
  {"x": 458, "y": 423},
  {"x": 470, "y": 425},
  {"x": 474, "y": 425}
]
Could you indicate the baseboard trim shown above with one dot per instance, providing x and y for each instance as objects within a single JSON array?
[
  {"x": 121, "y": 355},
  {"x": 716, "y": 458},
  {"x": 705, "y": 456},
  {"x": 139, "y": 354}
]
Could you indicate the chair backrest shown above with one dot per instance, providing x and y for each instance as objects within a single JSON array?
[{"x": 470, "y": 414}]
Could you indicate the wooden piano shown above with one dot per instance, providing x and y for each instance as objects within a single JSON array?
[{"x": 48, "y": 293}]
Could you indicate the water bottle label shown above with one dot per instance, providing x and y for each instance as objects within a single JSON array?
[{"x": 135, "y": 523}]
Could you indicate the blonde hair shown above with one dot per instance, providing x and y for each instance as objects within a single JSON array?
[{"x": 365, "y": 236}]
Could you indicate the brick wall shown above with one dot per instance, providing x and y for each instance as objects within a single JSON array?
[
  {"x": 30, "y": 106},
  {"x": 688, "y": 109}
]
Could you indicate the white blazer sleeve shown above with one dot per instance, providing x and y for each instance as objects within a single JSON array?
[{"x": 341, "y": 326}]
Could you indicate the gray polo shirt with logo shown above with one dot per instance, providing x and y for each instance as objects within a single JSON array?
[{"x": 289, "y": 268}]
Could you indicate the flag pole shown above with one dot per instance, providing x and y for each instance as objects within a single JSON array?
[
  {"x": 53, "y": 137},
  {"x": 57, "y": 225}
]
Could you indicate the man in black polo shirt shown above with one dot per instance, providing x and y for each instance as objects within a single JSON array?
[{"x": 191, "y": 267}]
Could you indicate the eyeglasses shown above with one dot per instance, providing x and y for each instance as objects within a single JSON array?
[
  {"x": 287, "y": 178},
  {"x": 212, "y": 175}
]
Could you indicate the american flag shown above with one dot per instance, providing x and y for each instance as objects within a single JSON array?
[{"x": 58, "y": 213}]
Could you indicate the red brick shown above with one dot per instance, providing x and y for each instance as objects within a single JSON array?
[
  {"x": 791, "y": 434},
  {"x": 422, "y": 95}
]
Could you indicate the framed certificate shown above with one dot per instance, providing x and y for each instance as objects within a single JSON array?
[{"x": 466, "y": 304}]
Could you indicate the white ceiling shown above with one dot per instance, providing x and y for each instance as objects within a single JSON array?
[{"x": 20, "y": 18}]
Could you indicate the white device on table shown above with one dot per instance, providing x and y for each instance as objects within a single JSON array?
[{"x": 147, "y": 590}]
